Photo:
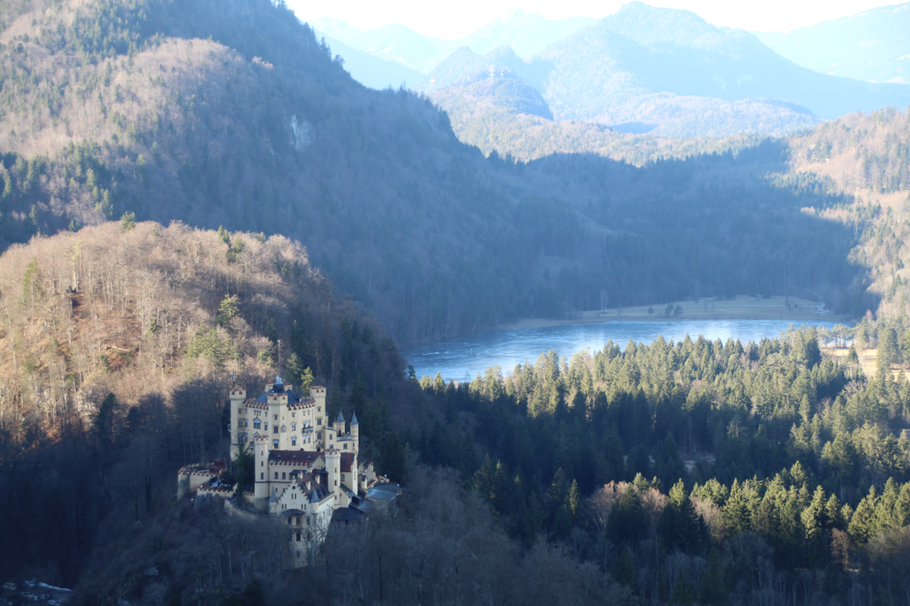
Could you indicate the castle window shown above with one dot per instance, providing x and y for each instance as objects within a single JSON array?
[
  {"x": 266, "y": 425},
  {"x": 294, "y": 441},
  {"x": 318, "y": 421},
  {"x": 257, "y": 424},
  {"x": 293, "y": 426},
  {"x": 274, "y": 417},
  {"x": 345, "y": 446},
  {"x": 298, "y": 537},
  {"x": 284, "y": 476},
  {"x": 284, "y": 428},
  {"x": 275, "y": 444},
  {"x": 240, "y": 411},
  {"x": 276, "y": 475},
  {"x": 275, "y": 429},
  {"x": 261, "y": 476}
]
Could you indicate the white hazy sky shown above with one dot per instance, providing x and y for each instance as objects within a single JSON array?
[{"x": 451, "y": 23}]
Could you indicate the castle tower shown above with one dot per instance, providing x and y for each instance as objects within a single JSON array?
[
  {"x": 355, "y": 433},
  {"x": 339, "y": 425},
  {"x": 355, "y": 470},
  {"x": 261, "y": 491},
  {"x": 238, "y": 397},
  {"x": 333, "y": 467},
  {"x": 317, "y": 392},
  {"x": 275, "y": 400}
]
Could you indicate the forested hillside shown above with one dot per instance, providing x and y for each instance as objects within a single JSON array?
[
  {"x": 231, "y": 113},
  {"x": 116, "y": 352},
  {"x": 867, "y": 159},
  {"x": 499, "y": 112}
]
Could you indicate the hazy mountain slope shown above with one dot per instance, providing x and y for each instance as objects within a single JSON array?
[
  {"x": 370, "y": 70},
  {"x": 479, "y": 94},
  {"x": 392, "y": 42},
  {"x": 642, "y": 50},
  {"x": 527, "y": 33},
  {"x": 662, "y": 114},
  {"x": 527, "y": 137},
  {"x": 872, "y": 45},
  {"x": 505, "y": 114},
  {"x": 465, "y": 63}
]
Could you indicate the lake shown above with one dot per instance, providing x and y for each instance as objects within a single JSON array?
[{"x": 466, "y": 357}]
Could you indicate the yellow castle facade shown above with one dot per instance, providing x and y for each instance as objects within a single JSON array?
[{"x": 306, "y": 469}]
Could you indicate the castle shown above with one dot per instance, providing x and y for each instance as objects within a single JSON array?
[{"x": 306, "y": 469}]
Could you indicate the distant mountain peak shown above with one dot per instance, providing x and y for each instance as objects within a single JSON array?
[
  {"x": 335, "y": 27},
  {"x": 649, "y": 25}
]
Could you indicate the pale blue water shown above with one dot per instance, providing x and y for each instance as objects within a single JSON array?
[{"x": 466, "y": 357}]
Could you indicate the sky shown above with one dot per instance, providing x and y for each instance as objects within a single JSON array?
[{"x": 429, "y": 19}]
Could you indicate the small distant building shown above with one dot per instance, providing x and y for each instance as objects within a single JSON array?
[{"x": 306, "y": 470}]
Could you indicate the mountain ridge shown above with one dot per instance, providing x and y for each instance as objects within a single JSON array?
[{"x": 871, "y": 45}]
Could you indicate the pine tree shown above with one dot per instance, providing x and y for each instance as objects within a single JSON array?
[{"x": 863, "y": 525}]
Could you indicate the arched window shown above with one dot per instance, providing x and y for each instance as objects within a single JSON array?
[{"x": 294, "y": 441}]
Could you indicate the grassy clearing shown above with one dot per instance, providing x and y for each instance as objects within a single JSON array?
[
  {"x": 867, "y": 361},
  {"x": 740, "y": 308}
]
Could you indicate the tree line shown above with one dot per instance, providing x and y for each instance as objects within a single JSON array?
[{"x": 671, "y": 458}]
